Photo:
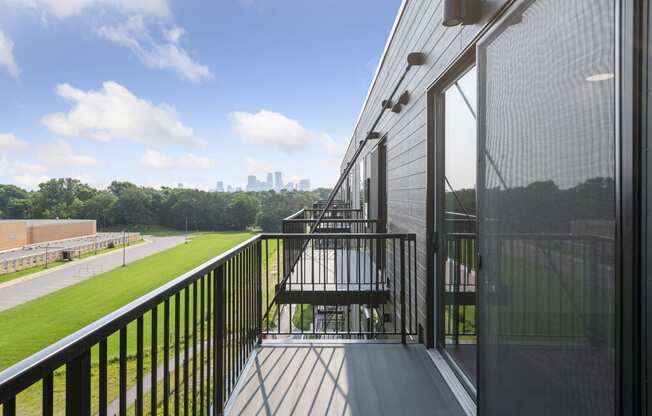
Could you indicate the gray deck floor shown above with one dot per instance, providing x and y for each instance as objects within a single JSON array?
[{"x": 343, "y": 379}]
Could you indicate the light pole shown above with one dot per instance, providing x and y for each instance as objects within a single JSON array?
[
  {"x": 96, "y": 243},
  {"x": 124, "y": 250}
]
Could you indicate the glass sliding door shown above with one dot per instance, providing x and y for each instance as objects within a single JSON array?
[
  {"x": 456, "y": 182},
  {"x": 546, "y": 215}
]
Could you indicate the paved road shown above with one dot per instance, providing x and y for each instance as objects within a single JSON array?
[{"x": 16, "y": 292}]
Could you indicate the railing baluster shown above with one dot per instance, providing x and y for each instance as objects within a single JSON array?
[
  {"x": 122, "y": 401},
  {"x": 194, "y": 347},
  {"x": 154, "y": 366},
  {"x": 103, "y": 387},
  {"x": 166, "y": 357},
  {"x": 139, "y": 366},
  {"x": 48, "y": 395},
  {"x": 177, "y": 352},
  {"x": 202, "y": 316},
  {"x": 402, "y": 249},
  {"x": 219, "y": 308},
  {"x": 9, "y": 407},
  {"x": 186, "y": 350},
  {"x": 210, "y": 346}
]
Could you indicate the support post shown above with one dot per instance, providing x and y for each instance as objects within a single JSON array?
[{"x": 78, "y": 386}]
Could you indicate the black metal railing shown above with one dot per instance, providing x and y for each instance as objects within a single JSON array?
[
  {"x": 337, "y": 203},
  {"x": 182, "y": 348},
  {"x": 336, "y": 213},
  {"x": 460, "y": 277},
  {"x": 553, "y": 285},
  {"x": 340, "y": 285},
  {"x": 197, "y": 333},
  {"x": 460, "y": 287}
]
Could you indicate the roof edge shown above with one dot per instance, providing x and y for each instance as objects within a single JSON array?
[{"x": 390, "y": 38}]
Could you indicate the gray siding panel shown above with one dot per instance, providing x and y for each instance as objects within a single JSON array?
[{"x": 418, "y": 30}]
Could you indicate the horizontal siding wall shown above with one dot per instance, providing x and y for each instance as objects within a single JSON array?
[{"x": 419, "y": 30}]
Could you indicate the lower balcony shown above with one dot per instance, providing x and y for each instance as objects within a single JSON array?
[{"x": 282, "y": 324}]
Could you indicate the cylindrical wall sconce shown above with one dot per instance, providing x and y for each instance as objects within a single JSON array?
[{"x": 461, "y": 12}]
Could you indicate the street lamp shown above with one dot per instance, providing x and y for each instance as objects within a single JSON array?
[{"x": 124, "y": 250}]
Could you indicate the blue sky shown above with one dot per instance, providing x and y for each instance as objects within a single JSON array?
[{"x": 159, "y": 92}]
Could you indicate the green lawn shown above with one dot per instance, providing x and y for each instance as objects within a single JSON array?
[
  {"x": 34, "y": 325},
  {"x": 306, "y": 323}
]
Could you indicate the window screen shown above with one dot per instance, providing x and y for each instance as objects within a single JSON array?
[{"x": 547, "y": 211}]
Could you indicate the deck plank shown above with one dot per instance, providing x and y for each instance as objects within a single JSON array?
[{"x": 344, "y": 379}]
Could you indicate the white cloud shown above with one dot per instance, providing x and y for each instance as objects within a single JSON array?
[
  {"x": 26, "y": 175},
  {"x": 270, "y": 128},
  {"x": 7, "y": 56},
  {"x": 155, "y": 159},
  {"x": 66, "y": 8},
  {"x": 156, "y": 53},
  {"x": 60, "y": 153},
  {"x": 173, "y": 35},
  {"x": 9, "y": 141},
  {"x": 115, "y": 113}
]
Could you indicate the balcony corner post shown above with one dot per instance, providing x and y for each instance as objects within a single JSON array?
[{"x": 78, "y": 385}]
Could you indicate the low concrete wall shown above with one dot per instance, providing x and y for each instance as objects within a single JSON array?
[{"x": 56, "y": 253}]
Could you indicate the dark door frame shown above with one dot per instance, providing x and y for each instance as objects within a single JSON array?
[
  {"x": 632, "y": 390},
  {"x": 435, "y": 197}
]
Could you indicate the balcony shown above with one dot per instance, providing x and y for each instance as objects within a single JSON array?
[{"x": 290, "y": 323}]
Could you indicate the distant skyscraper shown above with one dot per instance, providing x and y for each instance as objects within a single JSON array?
[
  {"x": 229, "y": 188},
  {"x": 304, "y": 185},
  {"x": 238, "y": 189},
  {"x": 252, "y": 183},
  {"x": 270, "y": 181},
  {"x": 290, "y": 186},
  {"x": 278, "y": 181},
  {"x": 180, "y": 185},
  {"x": 220, "y": 186}
]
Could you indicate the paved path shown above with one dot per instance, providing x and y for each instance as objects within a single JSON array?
[{"x": 18, "y": 291}]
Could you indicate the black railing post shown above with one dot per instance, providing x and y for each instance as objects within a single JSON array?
[
  {"x": 218, "y": 341},
  {"x": 403, "y": 317},
  {"x": 78, "y": 385}
]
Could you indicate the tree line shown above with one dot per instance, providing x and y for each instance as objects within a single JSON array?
[{"x": 124, "y": 204}]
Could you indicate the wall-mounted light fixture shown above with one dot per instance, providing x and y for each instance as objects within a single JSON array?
[
  {"x": 373, "y": 135},
  {"x": 461, "y": 12},
  {"x": 404, "y": 98},
  {"x": 387, "y": 104},
  {"x": 416, "y": 59},
  {"x": 397, "y": 108}
]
